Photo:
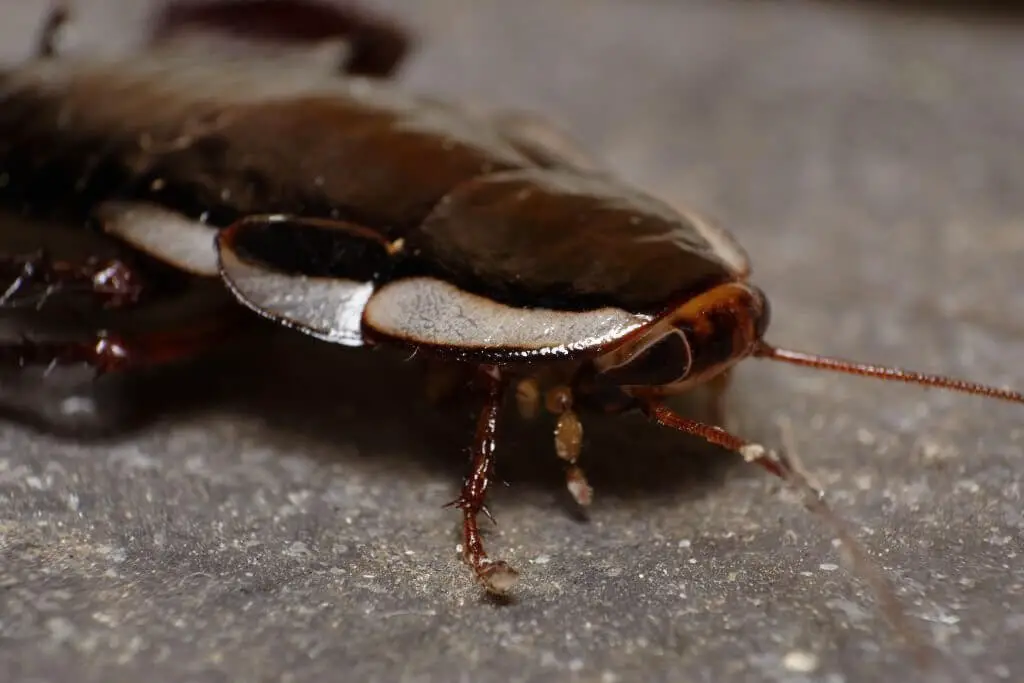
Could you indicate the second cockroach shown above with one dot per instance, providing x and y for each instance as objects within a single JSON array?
[{"x": 342, "y": 207}]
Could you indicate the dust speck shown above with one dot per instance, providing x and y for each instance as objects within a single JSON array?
[
  {"x": 802, "y": 662},
  {"x": 61, "y": 630}
]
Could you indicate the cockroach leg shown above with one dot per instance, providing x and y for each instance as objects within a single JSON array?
[
  {"x": 569, "y": 442},
  {"x": 102, "y": 353},
  {"x": 751, "y": 452},
  {"x": 528, "y": 397},
  {"x": 24, "y": 272},
  {"x": 377, "y": 45},
  {"x": 111, "y": 352},
  {"x": 787, "y": 467},
  {"x": 36, "y": 277},
  {"x": 495, "y": 576},
  {"x": 116, "y": 353}
]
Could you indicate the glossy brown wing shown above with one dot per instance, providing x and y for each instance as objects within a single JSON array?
[
  {"x": 234, "y": 138},
  {"x": 563, "y": 240},
  {"x": 312, "y": 275},
  {"x": 337, "y": 282}
]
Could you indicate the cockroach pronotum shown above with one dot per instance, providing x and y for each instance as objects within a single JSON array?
[{"x": 362, "y": 215}]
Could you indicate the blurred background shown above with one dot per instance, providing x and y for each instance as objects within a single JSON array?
[{"x": 284, "y": 522}]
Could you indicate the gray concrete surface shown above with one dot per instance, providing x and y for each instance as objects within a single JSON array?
[{"x": 289, "y": 528}]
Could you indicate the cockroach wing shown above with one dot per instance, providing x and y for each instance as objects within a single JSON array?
[
  {"x": 226, "y": 138},
  {"x": 429, "y": 312},
  {"x": 571, "y": 241},
  {"x": 312, "y": 275},
  {"x": 165, "y": 235},
  {"x": 343, "y": 283}
]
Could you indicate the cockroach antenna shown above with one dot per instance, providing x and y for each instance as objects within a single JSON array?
[{"x": 813, "y": 360}]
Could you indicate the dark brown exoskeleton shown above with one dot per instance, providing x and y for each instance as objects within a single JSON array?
[{"x": 364, "y": 215}]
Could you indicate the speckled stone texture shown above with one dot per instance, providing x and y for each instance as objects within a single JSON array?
[{"x": 287, "y": 525}]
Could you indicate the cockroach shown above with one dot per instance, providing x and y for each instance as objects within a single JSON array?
[{"x": 363, "y": 215}]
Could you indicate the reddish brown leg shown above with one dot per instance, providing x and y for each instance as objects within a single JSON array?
[
  {"x": 495, "y": 575},
  {"x": 200, "y": 316},
  {"x": 36, "y": 277},
  {"x": 109, "y": 352},
  {"x": 787, "y": 468},
  {"x": 93, "y": 322},
  {"x": 377, "y": 44},
  {"x": 751, "y": 452}
]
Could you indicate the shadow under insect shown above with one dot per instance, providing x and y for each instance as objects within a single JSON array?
[{"x": 377, "y": 404}]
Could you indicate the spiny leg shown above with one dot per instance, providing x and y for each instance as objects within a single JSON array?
[
  {"x": 569, "y": 442},
  {"x": 112, "y": 352},
  {"x": 77, "y": 386},
  {"x": 749, "y": 451},
  {"x": 75, "y": 306},
  {"x": 34, "y": 278},
  {"x": 23, "y": 272},
  {"x": 495, "y": 575},
  {"x": 89, "y": 290}
]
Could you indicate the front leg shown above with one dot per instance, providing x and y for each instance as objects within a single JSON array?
[
  {"x": 73, "y": 307},
  {"x": 30, "y": 280},
  {"x": 495, "y": 575},
  {"x": 87, "y": 372}
]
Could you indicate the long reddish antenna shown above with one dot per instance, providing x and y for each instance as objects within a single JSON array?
[{"x": 811, "y": 360}]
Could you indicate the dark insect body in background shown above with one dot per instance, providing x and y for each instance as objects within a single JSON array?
[{"x": 363, "y": 215}]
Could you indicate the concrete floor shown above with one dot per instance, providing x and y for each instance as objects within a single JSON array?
[{"x": 288, "y": 526}]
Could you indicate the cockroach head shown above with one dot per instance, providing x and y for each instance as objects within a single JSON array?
[{"x": 690, "y": 343}]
